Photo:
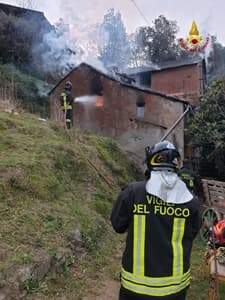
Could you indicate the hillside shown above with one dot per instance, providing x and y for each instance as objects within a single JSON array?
[{"x": 56, "y": 193}]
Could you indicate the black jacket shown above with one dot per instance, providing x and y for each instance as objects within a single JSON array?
[{"x": 156, "y": 260}]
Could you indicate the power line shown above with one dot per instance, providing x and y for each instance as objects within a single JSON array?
[{"x": 140, "y": 12}]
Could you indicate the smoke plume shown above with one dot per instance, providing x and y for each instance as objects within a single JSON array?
[{"x": 72, "y": 41}]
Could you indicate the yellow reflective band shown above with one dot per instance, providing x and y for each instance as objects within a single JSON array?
[
  {"x": 64, "y": 103},
  {"x": 156, "y": 281},
  {"x": 139, "y": 245},
  {"x": 154, "y": 291},
  {"x": 177, "y": 238}
]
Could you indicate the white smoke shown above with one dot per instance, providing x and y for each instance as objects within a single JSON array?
[
  {"x": 205, "y": 27},
  {"x": 72, "y": 42},
  {"x": 59, "y": 51},
  {"x": 78, "y": 37}
]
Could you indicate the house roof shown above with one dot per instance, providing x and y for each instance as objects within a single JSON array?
[
  {"x": 178, "y": 64},
  {"x": 164, "y": 66},
  {"x": 16, "y": 10},
  {"x": 143, "y": 69},
  {"x": 23, "y": 12},
  {"x": 134, "y": 87}
]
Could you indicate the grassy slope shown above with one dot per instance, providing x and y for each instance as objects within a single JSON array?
[
  {"x": 49, "y": 187},
  {"x": 199, "y": 286}
]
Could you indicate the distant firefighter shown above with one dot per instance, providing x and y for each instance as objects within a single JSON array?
[
  {"x": 190, "y": 178},
  {"x": 66, "y": 99}
]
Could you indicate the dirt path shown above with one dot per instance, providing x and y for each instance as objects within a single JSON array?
[{"x": 110, "y": 291}]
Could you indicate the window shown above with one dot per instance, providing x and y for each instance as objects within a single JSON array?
[
  {"x": 96, "y": 85},
  {"x": 140, "y": 108},
  {"x": 145, "y": 79},
  {"x": 140, "y": 112}
]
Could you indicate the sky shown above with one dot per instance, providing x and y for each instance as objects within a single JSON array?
[{"x": 208, "y": 14}]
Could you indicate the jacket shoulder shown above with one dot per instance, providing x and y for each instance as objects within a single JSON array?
[
  {"x": 137, "y": 185},
  {"x": 195, "y": 203}
]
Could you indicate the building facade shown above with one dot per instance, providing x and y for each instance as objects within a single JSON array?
[
  {"x": 185, "y": 79},
  {"x": 137, "y": 117}
]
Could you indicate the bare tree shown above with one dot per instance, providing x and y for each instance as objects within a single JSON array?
[{"x": 29, "y": 4}]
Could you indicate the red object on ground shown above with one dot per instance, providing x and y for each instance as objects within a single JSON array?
[{"x": 219, "y": 231}]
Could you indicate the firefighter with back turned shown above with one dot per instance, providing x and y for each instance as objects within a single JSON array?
[{"x": 161, "y": 218}]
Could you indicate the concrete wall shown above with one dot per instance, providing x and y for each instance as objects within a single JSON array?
[
  {"x": 185, "y": 82},
  {"x": 118, "y": 116}
]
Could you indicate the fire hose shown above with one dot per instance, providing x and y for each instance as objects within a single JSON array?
[{"x": 188, "y": 109}]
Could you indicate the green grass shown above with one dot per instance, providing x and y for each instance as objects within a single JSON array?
[
  {"x": 199, "y": 285},
  {"x": 52, "y": 183}
]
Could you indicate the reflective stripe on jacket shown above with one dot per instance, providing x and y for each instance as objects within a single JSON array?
[{"x": 64, "y": 102}]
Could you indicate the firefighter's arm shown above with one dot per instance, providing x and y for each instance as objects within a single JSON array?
[{"x": 122, "y": 210}]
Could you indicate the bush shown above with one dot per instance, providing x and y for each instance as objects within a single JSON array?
[
  {"x": 31, "y": 93},
  {"x": 207, "y": 131}
]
